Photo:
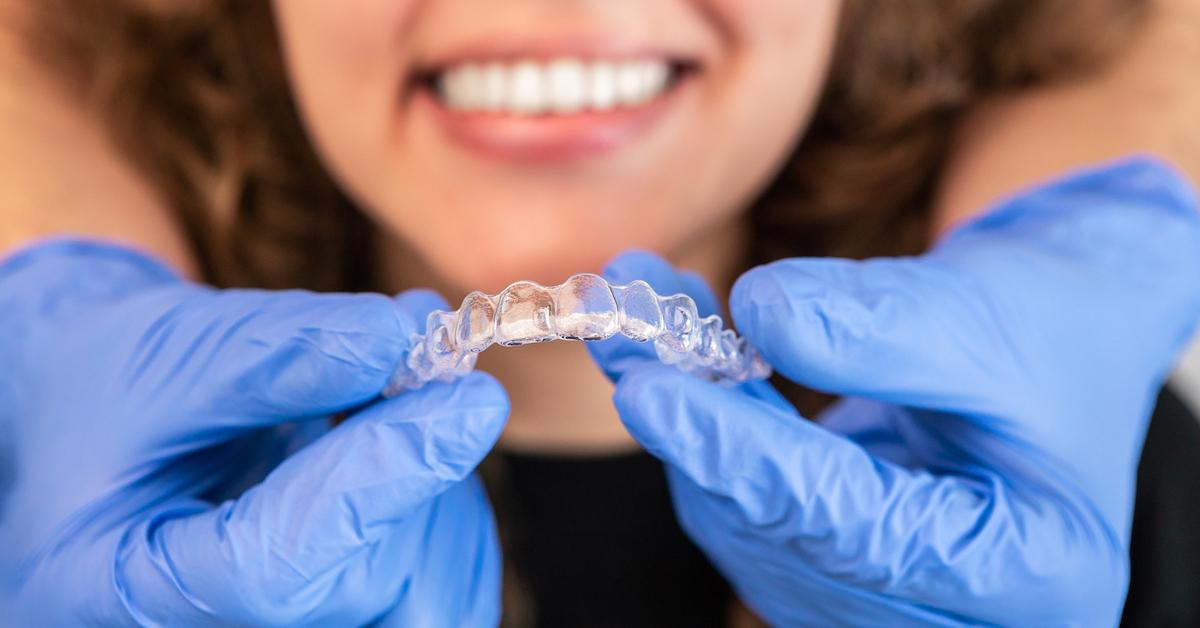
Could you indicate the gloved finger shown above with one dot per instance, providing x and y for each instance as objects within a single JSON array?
[
  {"x": 881, "y": 328},
  {"x": 221, "y": 358},
  {"x": 1053, "y": 272},
  {"x": 245, "y": 460},
  {"x": 618, "y": 354},
  {"x": 259, "y": 451},
  {"x": 459, "y": 554},
  {"x": 241, "y": 359},
  {"x": 327, "y": 537},
  {"x": 768, "y": 477},
  {"x": 420, "y": 302}
]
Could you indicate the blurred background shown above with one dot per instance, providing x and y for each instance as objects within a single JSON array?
[{"x": 1187, "y": 377}]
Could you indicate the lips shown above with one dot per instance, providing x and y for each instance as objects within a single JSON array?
[{"x": 551, "y": 105}]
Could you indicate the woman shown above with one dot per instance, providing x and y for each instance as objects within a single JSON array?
[{"x": 209, "y": 169}]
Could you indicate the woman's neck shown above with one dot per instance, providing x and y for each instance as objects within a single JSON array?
[{"x": 562, "y": 403}]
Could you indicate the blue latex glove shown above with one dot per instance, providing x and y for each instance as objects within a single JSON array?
[
  {"x": 981, "y": 466},
  {"x": 135, "y": 409}
]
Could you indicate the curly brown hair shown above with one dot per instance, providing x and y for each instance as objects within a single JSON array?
[{"x": 195, "y": 95}]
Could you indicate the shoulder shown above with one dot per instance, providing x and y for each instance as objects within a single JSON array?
[
  {"x": 60, "y": 175},
  {"x": 1147, "y": 101}
]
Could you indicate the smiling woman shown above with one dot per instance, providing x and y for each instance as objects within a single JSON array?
[
  {"x": 463, "y": 145},
  {"x": 252, "y": 194},
  {"x": 401, "y": 150}
]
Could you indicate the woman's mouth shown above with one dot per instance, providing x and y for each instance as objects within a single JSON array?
[
  {"x": 555, "y": 87},
  {"x": 549, "y": 107}
]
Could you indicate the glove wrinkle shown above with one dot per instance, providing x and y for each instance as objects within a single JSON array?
[
  {"x": 171, "y": 391},
  {"x": 979, "y": 469}
]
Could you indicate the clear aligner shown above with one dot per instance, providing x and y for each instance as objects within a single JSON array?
[{"x": 584, "y": 307}]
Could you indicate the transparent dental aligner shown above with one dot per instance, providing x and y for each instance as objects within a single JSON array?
[{"x": 584, "y": 307}]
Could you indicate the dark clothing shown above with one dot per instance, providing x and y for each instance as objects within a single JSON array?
[
  {"x": 1164, "y": 585},
  {"x": 596, "y": 543}
]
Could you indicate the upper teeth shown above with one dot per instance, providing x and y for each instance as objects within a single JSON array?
[{"x": 556, "y": 86}]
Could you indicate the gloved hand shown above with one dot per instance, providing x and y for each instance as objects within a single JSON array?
[
  {"x": 136, "y": 409},
  {"x": 980, "y": 467}
]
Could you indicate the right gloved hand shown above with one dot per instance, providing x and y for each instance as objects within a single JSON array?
[
  {"x": 132, "y": 403},
  {"x": 980, "y": 466}
]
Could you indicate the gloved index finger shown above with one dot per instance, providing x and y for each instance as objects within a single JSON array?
[
  {"x": 1051, "y": 272},
  {"x": 107, "y": 325},
  {"x": 245, "y": 358},
  {"x": 754, "y": 482},
  {"x": 336, "y": 533}
]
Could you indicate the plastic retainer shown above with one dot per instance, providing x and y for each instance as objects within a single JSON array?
[{"x": 584, "y": 307}]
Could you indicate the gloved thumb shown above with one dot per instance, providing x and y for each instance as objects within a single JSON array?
[
  {"x": 327, "y": 537},
  {"x": 618, "y": 354},
  {"x": 250, "y": 357},
  {"x": 121, "y": 325},
  {"x": 1094, "y": 273},
  {"x": 752, "y": 481}
]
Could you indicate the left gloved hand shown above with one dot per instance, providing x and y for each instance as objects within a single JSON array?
[
  {"x": 146, "y": 473},
  {"x": 981, "y": 466}
]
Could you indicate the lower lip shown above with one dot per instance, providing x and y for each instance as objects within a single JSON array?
[{"x": 551, "y": 137}]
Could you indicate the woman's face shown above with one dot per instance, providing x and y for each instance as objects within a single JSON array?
[{"x": 531, "y": 139}]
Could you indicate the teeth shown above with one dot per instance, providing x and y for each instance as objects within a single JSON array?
[
  {"x": 471, "y": 93},
  {"x": 495, "y": 87},
  {"x": 654, "y": 78},
  {"x": 566, "y": 86},
  {"x": 526, "y": 89},
  {"x": 629, "y": 84},
  {"x": 639, "y": 82},
  {"x": 560, "y": 86},
  {"x": 602, "y": 86}
]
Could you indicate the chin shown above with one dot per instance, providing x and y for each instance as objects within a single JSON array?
[{"x": 491, "y": 269}]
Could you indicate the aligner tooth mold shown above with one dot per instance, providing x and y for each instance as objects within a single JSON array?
[{"x": 584, "y": 307}]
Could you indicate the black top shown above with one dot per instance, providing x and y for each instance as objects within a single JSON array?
[
  {"x": 1164, "y": 579},
  {"x": 595, "y": 543}
]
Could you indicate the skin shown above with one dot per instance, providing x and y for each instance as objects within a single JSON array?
[
  {"x": 351, "y": 63},
  {"x": 58, "y": 171},
  {"x": 348, "y": 66},
  {"x": 1145, "y": 101},
  {"x": 351, "y": 66}
]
